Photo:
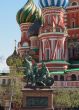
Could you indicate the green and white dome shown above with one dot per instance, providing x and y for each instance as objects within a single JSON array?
[{"x": 29, "y": 13}]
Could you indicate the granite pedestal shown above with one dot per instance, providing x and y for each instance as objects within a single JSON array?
[{"x": 37, "y": 99}]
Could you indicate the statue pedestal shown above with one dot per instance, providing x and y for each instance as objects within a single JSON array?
[{"x": 37, "y": 99}]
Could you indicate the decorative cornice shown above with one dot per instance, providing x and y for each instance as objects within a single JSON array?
[
  {"x": 49, "y": 10},
  {"x": 72, "y": 28},
  {"x": 72, "y": 7},
  {"x": 53, "y": 34},
  {"x": 23, "y": 47}
]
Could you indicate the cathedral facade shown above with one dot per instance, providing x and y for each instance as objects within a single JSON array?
[{"x": 51, "y": 35}]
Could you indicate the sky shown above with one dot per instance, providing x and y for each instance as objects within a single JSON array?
[{"x": 9, "y": 28}]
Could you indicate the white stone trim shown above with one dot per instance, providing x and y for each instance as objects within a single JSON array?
[
  {"x": 48, "y": 33},
  {"x": 72, "y": 28}
]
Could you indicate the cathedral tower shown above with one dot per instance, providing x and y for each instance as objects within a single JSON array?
[
  {"x": 25, "y": 18},
  {"x": 53, "y": 34}
]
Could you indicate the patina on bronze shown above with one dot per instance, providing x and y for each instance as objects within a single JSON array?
[{"x": 37, "y": 78}]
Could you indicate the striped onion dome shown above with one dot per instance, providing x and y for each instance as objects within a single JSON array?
[
  {"x": 56, "y": 3},
  {"x": 29, "y": 13}
]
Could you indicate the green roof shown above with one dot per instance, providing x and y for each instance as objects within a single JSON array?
[
  {"x": 57, "y": 73},
  {"x": 57, "y": 61},
  {"x": 63, "y": 72},
  {"x": 74, "y": 62},
  {"x": 74, "y": 69},
  {"x": 35, "y": 49}
]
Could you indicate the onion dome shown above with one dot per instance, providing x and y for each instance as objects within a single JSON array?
[
  {"x": 29, "y": 13},
  {"x": 14, "y": 60},
  {"x": 55, "y": 3}
]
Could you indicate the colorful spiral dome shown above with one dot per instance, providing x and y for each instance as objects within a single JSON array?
[
  {"x": 56, "y": 3},
  {"x": 29, "y": 13}
]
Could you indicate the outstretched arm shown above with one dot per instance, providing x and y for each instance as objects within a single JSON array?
[{"x": 29, "y": 63}]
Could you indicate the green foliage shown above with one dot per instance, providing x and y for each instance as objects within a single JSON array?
[
  {"x": 62, "y": 98},
  {"x": 16, "y": 86},
  {"x": 18, "y": 62},
  {"x": 74, "y": 99},
  {"x": 66, "y": 98},
  {"x": 17, "y": 94},
  {"x": 16, "y": 75},
  {"x": 25, "y": 66}
]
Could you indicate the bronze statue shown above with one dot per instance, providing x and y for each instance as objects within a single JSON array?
[
  {"x": 29, "y": 71},
  {"x": 37, "y": 77}
]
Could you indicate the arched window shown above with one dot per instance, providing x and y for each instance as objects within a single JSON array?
[
  {"x": 73, "y": 23},
  {"x": 61, "y": 78},
  {"x": 47, "y": 54},
  {"x": 49, "y": 20},
  {"x": 47, "y": 49},
  {"x": 74, "y": 3},
  {"x": 3, "y": 81},
  {"x": 73, "y": 77},
  {"x": 56, "y": 78},
  {"x": 25, "y": 44},
  {"x": 71, "y": 51}
]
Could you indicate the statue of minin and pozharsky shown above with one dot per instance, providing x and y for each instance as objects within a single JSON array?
[{"x": 37, "y": 78}]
